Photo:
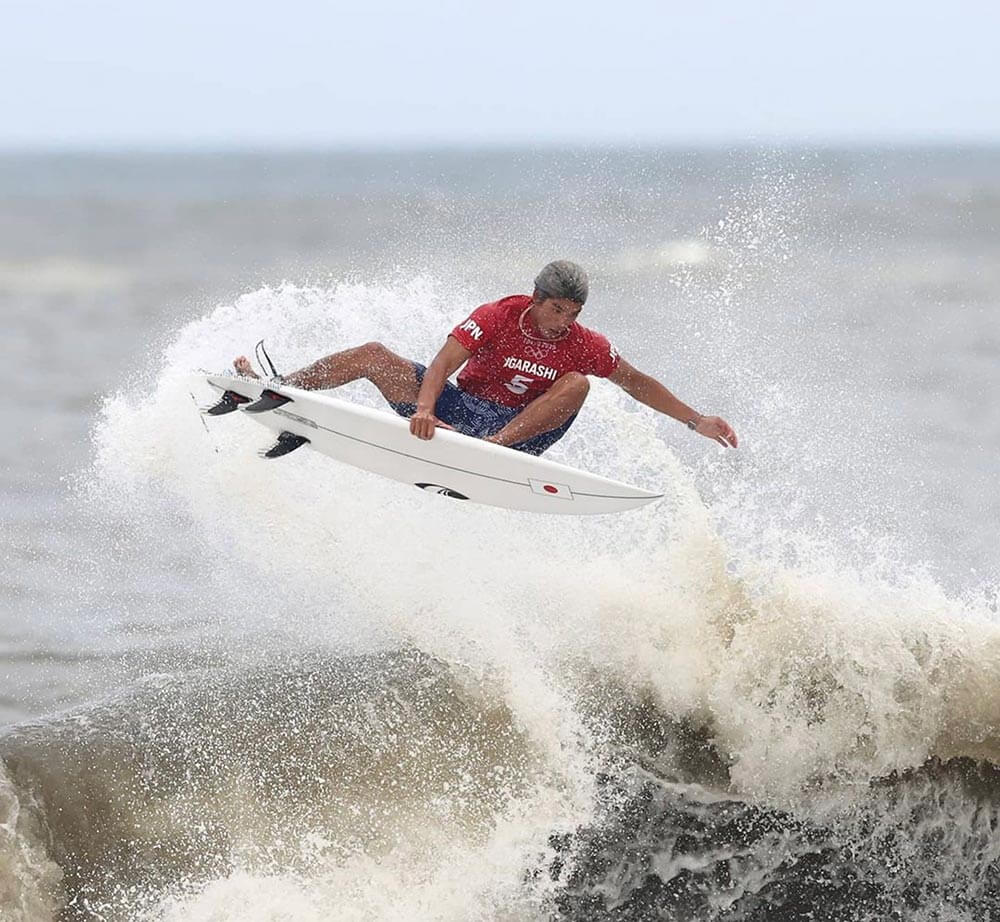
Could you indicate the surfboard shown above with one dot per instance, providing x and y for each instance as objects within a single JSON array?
[{"x": 451, "y": 464}]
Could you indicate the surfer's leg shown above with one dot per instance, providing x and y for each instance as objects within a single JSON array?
[
  {"x": 539, "y": 444},
  {"x": 549, "y": 411},
  {"x": 452, "y": 407},
  {"x": 393, "y": 375}
]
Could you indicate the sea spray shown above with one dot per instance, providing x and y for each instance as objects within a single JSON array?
[{"x": 643, "y": 666}]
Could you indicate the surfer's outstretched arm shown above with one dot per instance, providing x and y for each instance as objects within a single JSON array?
[
  {"x": 449, "y": 359},
  {"x": 651, "y": 392}
]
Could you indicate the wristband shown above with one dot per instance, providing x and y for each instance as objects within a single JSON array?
[{"x": 694, "y": 421}]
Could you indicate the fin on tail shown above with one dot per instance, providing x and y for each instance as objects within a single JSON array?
[
  {"x": 228, "y": 403},
  {"x": 287, "y": 442},
  {"x": 268, "y": 401}
]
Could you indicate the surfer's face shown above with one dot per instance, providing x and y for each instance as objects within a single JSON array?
[{"x": 554, "y": 316}]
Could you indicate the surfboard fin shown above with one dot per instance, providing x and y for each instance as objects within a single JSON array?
[
  {"x": 287, "y": 442},
  {"x": 228, "y": 403},
  {"x": 268, "y": 401}
]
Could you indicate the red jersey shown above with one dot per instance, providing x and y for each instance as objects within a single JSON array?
[{"x": 512, "y": 365}]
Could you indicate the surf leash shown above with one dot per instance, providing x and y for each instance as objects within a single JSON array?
[{"x": 259, "y": 351}]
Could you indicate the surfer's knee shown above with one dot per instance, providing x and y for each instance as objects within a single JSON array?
[
  {"x": 375, "y": 358},
  {"x": 574, "y": 384},
  {"x": 374, "y": 351},
  {"x": 391, "y": 374}
]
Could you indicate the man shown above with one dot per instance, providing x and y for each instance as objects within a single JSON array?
[{"x": 525, "y": 377}]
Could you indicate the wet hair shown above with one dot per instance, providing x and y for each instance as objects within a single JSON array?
[{"x": 562, "y": 279}]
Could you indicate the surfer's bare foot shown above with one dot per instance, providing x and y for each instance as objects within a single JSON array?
[{"x": 243, "y": 367}]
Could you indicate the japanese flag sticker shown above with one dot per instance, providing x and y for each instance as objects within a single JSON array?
[{"x": 550, "y": 488}]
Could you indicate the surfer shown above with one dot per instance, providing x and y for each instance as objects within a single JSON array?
[{"x": 525, "y": 377}]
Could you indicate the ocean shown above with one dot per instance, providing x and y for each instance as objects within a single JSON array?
[{"x": 236, "y": 689}]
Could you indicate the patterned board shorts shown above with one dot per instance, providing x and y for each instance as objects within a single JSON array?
[{"x": 475, "y": 416}]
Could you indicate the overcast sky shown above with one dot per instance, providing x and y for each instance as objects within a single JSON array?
[{"x": 150, "y": 73}]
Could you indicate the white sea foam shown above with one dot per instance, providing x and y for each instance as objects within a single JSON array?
[
  {"x": 836, "y": 668},
  {"x": 805, "y": 673}
]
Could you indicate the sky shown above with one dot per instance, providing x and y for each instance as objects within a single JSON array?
[{"x": 304, "y": 73}]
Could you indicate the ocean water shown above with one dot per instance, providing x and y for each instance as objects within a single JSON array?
[{"x": 233, "y": 689}]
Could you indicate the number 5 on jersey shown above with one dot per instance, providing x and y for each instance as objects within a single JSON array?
[{"x": 518, "y": 384}]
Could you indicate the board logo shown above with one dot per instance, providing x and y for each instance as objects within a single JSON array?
[
  {"x": 443, "y": 491},
  {"x": 549, "y": 488},
  {"x": 297, "y": 418}
]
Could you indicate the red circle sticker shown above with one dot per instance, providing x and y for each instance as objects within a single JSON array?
[{"x": 550, "y": 489}]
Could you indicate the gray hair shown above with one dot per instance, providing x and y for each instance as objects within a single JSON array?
[{"x": 563, "y": 279}]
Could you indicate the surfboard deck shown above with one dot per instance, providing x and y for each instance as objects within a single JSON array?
[{"x": 451, "y": 464}]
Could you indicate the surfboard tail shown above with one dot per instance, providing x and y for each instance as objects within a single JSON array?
[
  {"x": 228, "y": 403},
  {"x": 268, "y": 400},
  {"x": 287, "y": 443}
]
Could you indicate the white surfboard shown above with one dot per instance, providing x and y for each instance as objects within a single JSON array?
[{"x": 452, "y": 464}]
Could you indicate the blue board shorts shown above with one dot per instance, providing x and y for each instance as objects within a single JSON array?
[{"x": 475, "y": 416}]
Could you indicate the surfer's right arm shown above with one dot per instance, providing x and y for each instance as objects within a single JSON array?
[{"x": 451, "y": 357}]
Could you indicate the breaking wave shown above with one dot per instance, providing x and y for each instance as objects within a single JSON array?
[{"x": 393, "y": 706}]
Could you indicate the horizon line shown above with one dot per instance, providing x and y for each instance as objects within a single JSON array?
[{"x": 245, "y": 146}]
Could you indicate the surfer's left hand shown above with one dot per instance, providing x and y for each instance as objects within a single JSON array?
[
  {"x": 423, "y": 424},
  {"x": 715, "y": 427}
]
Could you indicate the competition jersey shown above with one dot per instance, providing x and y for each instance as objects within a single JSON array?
[{"x": 512, "y": 368}]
